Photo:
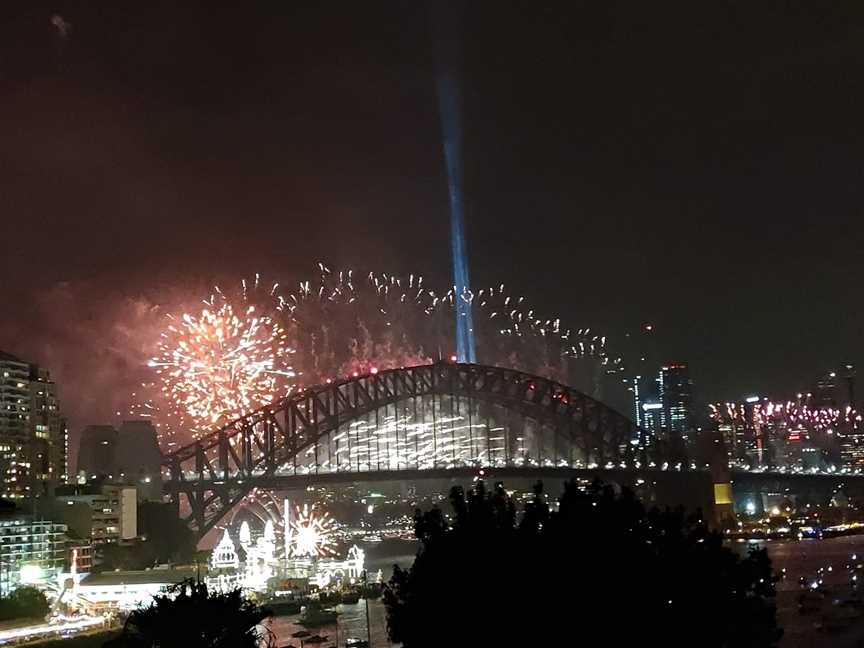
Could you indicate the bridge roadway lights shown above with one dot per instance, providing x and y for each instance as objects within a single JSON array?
[
  {"x": 614, "y": 476},
  {"x": 692, "y": 489},
  {"x": 689, "y": 489},
  {"x": 817, "y": 489}
]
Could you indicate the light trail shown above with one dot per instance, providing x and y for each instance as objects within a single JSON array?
[{"x": 49, "y": 629}]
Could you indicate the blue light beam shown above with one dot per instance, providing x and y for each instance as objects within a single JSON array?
[{"x": 450, "y": 111}]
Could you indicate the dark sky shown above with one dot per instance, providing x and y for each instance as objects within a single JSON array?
[{"x": 695, "y": 165}]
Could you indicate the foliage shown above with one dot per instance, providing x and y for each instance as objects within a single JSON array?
[
  {"x": 24, "y": 602},
  {"x": 165, "y": 539},
  {"x": 600, "y": 566},
  {"x": 370, "y": 591},
  {"x": 133, "y": 557},
  {"x": 168, "y": 538},
  {"x": 192, "y": 617}
]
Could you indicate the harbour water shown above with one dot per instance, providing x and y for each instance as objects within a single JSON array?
[
  {"x": 351, "y": 621},
  {"x": 799, "y": 558},
  {"x": 803, "y": 559}
]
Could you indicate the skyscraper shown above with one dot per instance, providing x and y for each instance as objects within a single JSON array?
[
  {"x": 651, "y": 418},
  {"x": 33, "y": 439},
  {"x": 676, "y": 395}
]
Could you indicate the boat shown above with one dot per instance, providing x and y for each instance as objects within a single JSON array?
[
  {"x": 316, "y": 616},
  {"x": 282, "y": 607},
  {"x": 354, "y": 642},
  {"x": 315, "y": 639}
]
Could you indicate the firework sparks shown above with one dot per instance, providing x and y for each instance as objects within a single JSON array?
[
  {"x": 790, "y": 415},
  {"x": 311, "y": 534},
  {"x": 233, "y": 356},
  {"x": 224, "y": 362},
  {"x": 385, "y": 321}
]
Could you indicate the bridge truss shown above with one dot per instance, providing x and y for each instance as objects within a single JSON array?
[{"x": 442, "y": 416}]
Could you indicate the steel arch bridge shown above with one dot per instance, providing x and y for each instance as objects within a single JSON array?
[{"x": 399, "y": 422}]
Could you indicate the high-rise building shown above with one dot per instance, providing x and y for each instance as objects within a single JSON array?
[
  {"x": 676, "y": 395},
  {"x": 788, "y": 434},
  {"x": 652, "y": 418},
  {"x": 835, "y": 390},
  {"x": 129, "y": 455},
  {"x": 640, "y": 362},
  {"x": 33, "y": 433},
  {"x": 32, "y": 551},
  {"x": 49, "y": 432},
  {"x": 102, "y": 513},
  {"x": 14, "y": 398}
]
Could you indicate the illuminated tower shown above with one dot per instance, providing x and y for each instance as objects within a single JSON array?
[{"x": 676, "y": 396}]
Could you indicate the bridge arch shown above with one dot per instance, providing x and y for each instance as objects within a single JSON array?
[{"x": 428, "y": 417}]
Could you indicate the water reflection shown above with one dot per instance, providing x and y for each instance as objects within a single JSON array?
[{"x": 351, "y": 623}]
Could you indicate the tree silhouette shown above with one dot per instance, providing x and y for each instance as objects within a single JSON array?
[
  {"x": 167, "y": 537},
  {"x": 600, "y": 567},
  {"x": 192, "y": 617},
  {"x": 23, "y": 602}
]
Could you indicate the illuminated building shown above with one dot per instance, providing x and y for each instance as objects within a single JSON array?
[
  {"x": 250, "y": 566},
  {"x": 836, "y": 390},
  {"x": 105, "y": 514},
  {"x": 676, "y": 396},
  {"x": 33, "y": 434},
  {"x": 31, "y": 551},
  {"x": 225, "y": 572},
  {"x": 790, "y": 434},
  {"x": 121, "y": 590},
  {"x": 79, "y": 553},
  {"x": 334, "y": 570},
  {"x": 253, "y": 564},
  {"x": 652, "y": 418},
  {"x": 637, "y": 401}
]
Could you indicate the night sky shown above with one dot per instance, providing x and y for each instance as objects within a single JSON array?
[{"x": 693, "y": 165}]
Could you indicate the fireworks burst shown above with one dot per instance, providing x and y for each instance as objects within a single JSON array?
[
  {"x": 223, "y": 363},
  {"x": 311, "y": 534},
  {"x": 234, "y": 356},
  {"x": 344, "y": 324},
  {"x": 793, "y": 416}
]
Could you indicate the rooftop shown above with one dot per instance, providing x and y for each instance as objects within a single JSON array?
[
  {"x": 162, "y": 576},
  {"x": 8, "y": 357}
]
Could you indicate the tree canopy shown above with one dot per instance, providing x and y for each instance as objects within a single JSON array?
[
  {"x": 24, "y": 602},
  {"x": 599, "y": 567},
  {"x": 192, "y": 617},
  {"x": 169, "y": 538}
]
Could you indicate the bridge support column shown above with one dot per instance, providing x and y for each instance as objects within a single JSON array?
[{"x": 721, "y": 479}]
